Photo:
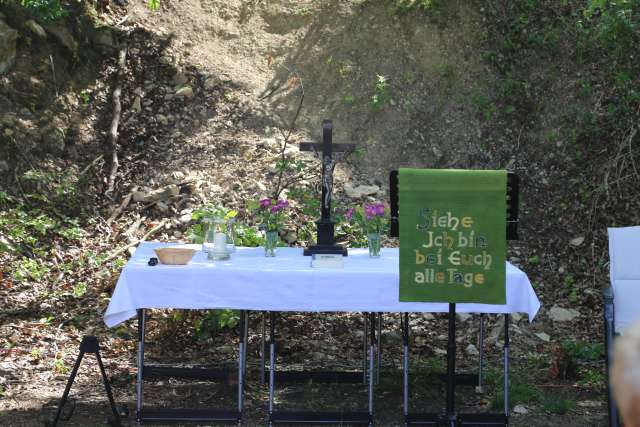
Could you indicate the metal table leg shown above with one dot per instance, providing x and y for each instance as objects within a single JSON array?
[
  {"x": 379, "y": 348},
  {"x": 404, "y": 321},
  {"x": 242, "y": 362},
  {"x": 272, "y": 363},
  {"x": 507, "y": 317},
  {"x": 372, "y": 353},
  {"x": 365, "y": 338},
  {"x": 139, "y": 380},
  {"x": 263, "y": 347}
]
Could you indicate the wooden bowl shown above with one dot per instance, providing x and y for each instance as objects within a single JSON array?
[{"x": 175, "y": 255}]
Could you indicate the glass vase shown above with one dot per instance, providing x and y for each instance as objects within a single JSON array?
[
  {"x": 270, "y": 243},
  {"x": 209, "y": 233},
  {"x": 374, "y": 244},
  {"x": 220, "y": 240},
  {"x": 231, "y": 235}
]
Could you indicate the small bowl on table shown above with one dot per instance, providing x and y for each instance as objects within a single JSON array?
[{"x": 175, "y": 255}]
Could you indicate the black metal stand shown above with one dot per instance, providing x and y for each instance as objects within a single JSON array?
[
  {"x": 193, "y": 372},
  {"x": 89, "y": 344},
  {"x": 450, "y": 418},
  {"x": 309, "y": 417}
]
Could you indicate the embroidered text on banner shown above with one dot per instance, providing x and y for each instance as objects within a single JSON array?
[{"x": 452, "y": 235}]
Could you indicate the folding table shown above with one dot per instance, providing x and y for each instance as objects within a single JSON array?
[{"x": 249, "y": 281}]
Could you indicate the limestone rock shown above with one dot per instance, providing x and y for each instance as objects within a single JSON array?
[
  {"x": 471, "y": 350},
  {"x": 391, "y": 337},
  {"x": 360, "y": 191},
  {"x": 53, "y": 139},
  {"x": 463, "y": 317},
  {"x": 103, "y": 37},
  {"x": 559, "y": 314},
  {"x": 520, "y": 410},
  {"x": 185, "y": 91},
  {"x": 136, "y": 106},
  {"x": 211, "y": 83},
  {"x": 155, "y": 195},
  {"x": 577, "y": 241},
  {"x": 8, "y": 38},
  {"x": 62, "y": 34},
  {"x": 544, "y": 337},
  {"x": 180, "y": 79},
  {"x": 36, "y": 28}
]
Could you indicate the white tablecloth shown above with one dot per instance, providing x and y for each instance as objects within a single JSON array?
[{"x": 250, "y": 281}]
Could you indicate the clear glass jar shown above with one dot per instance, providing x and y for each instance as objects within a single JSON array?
[{"x": 219, "y": 239}]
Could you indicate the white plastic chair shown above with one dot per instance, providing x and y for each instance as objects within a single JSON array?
[{"x": 622, "y": 298}]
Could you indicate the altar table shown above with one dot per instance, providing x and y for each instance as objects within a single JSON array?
[{"x": 287, "y": 282}]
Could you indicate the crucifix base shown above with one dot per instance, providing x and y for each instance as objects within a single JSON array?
[
  {"x": 325, "y": 249},
  {"x": 326, "y": 242}
]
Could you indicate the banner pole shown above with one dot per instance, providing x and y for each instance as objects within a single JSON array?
[{"x": 451, "y": 360}]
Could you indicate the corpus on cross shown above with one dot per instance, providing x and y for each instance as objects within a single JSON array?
[{"x": 326, "y": 243}]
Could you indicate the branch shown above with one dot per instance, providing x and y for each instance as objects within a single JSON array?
[
  {"x": 113, "y": 129},
  {"x": 123, "y": 205},
  {"x": 135, "y": 242},
  {"x": 287, "y": 135}
]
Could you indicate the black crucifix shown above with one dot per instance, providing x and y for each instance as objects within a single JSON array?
[{"x": 326, "y": 240}]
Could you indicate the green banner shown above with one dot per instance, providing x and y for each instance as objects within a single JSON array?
[{"x": 452, "y": 235}]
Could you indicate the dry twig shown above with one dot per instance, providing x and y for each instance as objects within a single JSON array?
[{"x": 115, "y": 121}]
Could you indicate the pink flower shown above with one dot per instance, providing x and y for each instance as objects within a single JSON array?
[
  {"x": 349, "y": 213},
  {"x": 265, "y": 203}
]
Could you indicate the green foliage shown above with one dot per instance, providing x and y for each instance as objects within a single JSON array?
[
  {"x": 59, "y": 366},
  {"x": 153, "y": 4},
  {"x": 80, "y": 290},
  {"x": 404, "y": 6},
  {"x": 592, "y": 378},
  {"x": 47, "y": 10},
  {"x": 581, "y": 351},
  {"x": 557, "y": 403},
  {"x": 381, "y": 94},
  {"x": 521, "y": 391},
  {"x": 209, "y": 324}
]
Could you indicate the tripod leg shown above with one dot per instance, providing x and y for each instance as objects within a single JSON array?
[
  {"x": 65, "y": 395},
  {"x": 107, "y": 388}
]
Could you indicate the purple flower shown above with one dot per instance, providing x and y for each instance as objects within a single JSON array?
[
  {"x": 349, "y": 213},
  {"x": 369, "y": 211},
  {"x": 265, "y": 203},
  {"x": 280, "y": 205},
  {"x": 379, "y": 209}
]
